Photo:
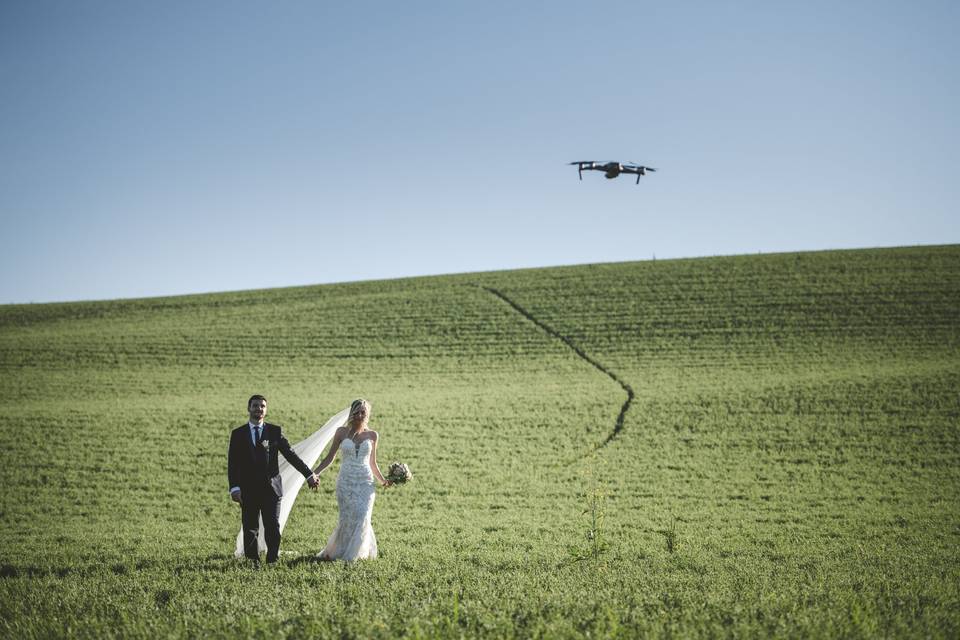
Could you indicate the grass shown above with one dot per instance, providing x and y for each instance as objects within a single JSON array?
[{"x": 789, "y": 463}]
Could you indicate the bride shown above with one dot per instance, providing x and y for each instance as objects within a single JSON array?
[{"x": 353, "y": 539}]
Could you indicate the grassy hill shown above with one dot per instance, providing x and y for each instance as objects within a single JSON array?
[{"x": 771, "y": 444}]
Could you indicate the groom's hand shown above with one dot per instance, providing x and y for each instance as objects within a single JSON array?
[
  {"x": 313, "y": 480},
  {"x": 235, "y": 496}
]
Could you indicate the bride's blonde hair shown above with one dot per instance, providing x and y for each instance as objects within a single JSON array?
[{"x": 357, "y": 407}]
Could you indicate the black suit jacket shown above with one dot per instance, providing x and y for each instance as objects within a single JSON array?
[{"x": 254, "y": 469}]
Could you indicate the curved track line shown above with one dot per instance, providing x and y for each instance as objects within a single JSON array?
[{"x": 581, "y": 353}]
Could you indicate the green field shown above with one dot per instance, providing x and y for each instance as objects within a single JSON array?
[{"x": 789, "y": 464}]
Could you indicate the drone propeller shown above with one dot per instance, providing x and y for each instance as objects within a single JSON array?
[
  {"x": 580, "y": 166},
  {"x": 640, "y": 169}
]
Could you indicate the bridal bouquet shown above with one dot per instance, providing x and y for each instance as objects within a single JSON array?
[{"x": 399, "y": 473}]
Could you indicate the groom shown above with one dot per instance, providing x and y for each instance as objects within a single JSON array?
[{"x": 254, "y": 476}]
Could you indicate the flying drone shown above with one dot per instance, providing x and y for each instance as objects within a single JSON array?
[{"x": 611, "y": 169}]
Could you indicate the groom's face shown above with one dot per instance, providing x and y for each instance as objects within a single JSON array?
[{"x": 258, "y": 410}]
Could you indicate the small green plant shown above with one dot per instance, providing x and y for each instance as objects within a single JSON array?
[
  {"x": 670, "y": 536},
  {"x": 596, "y": 543}
]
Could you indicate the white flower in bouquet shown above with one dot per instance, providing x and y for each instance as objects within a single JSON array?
[{"x": 399, "y": 473}]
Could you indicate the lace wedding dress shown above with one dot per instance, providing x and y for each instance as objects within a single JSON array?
[{"x": 353, "y": 539}]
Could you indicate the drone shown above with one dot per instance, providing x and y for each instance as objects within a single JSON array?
[{"x": 611, "y": 169}]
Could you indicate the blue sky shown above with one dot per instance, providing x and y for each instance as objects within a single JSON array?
[{"x": 158, "y": 148}]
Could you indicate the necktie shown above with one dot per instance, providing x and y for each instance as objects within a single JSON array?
[{"x": 256, "y": 434}]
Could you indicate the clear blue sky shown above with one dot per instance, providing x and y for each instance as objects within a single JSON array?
[{"x": 156, "y": 148}]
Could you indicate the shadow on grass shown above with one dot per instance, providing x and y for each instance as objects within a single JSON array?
[
  {"x": 307, "y": 560},
  {"x": 212, "y": 563}
]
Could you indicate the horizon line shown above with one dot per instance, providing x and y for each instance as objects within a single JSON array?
[{"x": 653, "y": 258}]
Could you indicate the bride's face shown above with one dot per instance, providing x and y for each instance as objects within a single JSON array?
[{"x": 362, "y": 418}]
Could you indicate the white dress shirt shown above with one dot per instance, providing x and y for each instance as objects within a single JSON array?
[{"x": 253, "y": 434}]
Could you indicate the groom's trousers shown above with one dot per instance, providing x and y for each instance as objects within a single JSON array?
[{"x": 265, "y": 504}]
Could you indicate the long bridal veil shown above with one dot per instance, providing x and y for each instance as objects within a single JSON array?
[{"x": 309, "y": 451}]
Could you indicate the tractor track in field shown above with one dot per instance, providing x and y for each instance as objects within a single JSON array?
[{"x": 618, "y": 427}]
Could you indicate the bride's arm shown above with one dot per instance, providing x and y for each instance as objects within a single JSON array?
[
  {"x": 373, "y": 462},
  {"x": 337, "y": 439}
]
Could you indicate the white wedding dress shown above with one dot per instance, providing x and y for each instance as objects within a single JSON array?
[{"x": 353, "y": 539}]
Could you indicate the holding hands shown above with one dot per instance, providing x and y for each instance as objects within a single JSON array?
[{"x": 313, "y": 480}]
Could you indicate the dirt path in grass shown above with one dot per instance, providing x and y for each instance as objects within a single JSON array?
[{"x": 618, "y": 427}]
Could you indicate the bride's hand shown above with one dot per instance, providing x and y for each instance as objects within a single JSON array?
[{"x": 386, "y": 484}]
